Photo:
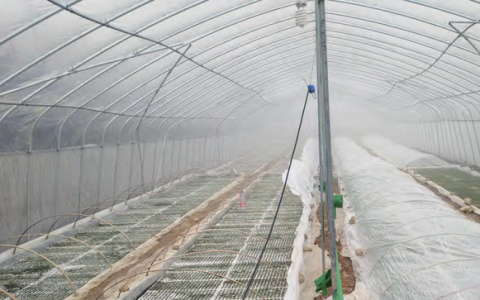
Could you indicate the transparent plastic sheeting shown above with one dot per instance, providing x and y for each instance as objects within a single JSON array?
[
  {"x": 301, "y": 183},
  {"x": 76, "y": 72},
  {"x": 37, "y": 186},
  {"x": 400, "y": 155},
  {"x": 415, "y": 245}
]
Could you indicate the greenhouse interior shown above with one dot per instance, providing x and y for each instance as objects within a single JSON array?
[{"x": 240, "y": 149}]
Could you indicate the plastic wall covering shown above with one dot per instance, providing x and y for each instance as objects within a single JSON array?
[
  {"x": 400, "y": 155},
  {"x": 301, "y": 183},
  {"x": 41, "y": 186},
  {"x": 416, "y": 246}
]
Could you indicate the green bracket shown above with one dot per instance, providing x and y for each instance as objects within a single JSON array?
[
  {"x": 339, "y": 293},
  {"x": 323, "y": 282},
  {"x": 322, "y": 188},
  {"x": 337, "y": 203}
]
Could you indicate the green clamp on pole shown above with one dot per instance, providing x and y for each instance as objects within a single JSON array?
[
  {"x": 322, "y": 187},
  {"x": 337, "y": 203},
  {"x": 323, "y": 282}
]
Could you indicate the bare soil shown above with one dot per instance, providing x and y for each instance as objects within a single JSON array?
[{"x": 346, "y": 268}]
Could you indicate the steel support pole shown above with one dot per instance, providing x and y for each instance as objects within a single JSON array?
[
  {"x": 115, "y": 171},
  {"x": 172, "y": 156},
  {"x": 210, "y": 151},
  {"x": 193, "y": 152},
  {"x": 56, "y": 185},
  {"x": 187, "y": 155},
  {"x": 154, "y": 166},
  {"x": 99, "y": 181},
  {"x": 161, "y": 164},
  {"x": 324, "y": 122},
  {"x": 132, "y": 149},
  {"x": 27, "y": 192},
  {"x": 80, "y": 178},
  {"x": 179, "y": 155},
  {"x": 205, "y": 150},
  {"x": 223, "y": 153},
  {"x": 141, "y": 159},
  {"x": 219, "y": 151}
]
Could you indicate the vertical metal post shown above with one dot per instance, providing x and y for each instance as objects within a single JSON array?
[
  {"x": 187, "y": 158},
  {"x": 56, "y": 185},
  {"x": 212, "y": 150},
  {"x": 141, "y": 161},
  {"x": 99, "y": 185},
  {"x": 154, "y": 170},
  {"x": 161, "y": 164},
  {"x": 444, "y": 143},
  {"x": 209, "y": 150},
  {"x": 218, "y": 155},
  {"x": 223, "y": 153},
  {"x": 115, "y": 171},
  {"x": 324, "y": 122},
  {"x": 80, "y": 178},
  {"x": 194, "y": 150},
  {"x": 27, "y": 192},
  {"x": 131, "y": 171},
  {"x": 205, "y": 150},
  {"x": 171, "y": 157},
  {"x": 179, "y": 155}
]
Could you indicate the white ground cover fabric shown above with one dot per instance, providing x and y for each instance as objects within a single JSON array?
[
  {"x": 415, "y": 245},
  {"x": 301, "y": 183},
  {"x": 400, "y": 155}
]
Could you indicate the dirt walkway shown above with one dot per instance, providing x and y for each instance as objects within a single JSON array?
[{"x": 346, "y": 268}]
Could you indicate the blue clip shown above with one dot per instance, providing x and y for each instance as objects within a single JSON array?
[{"x": 311, "y": 89}]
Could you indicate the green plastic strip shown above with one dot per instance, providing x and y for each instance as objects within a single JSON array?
[{"x": 339, "y": 293}]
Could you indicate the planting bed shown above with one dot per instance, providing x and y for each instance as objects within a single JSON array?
[
  {"x": 456, "y": 181},
  {"x": 198, "y": 275},
  {"x": 254, "y": 160},
  {"x": 35, "y": 278}
]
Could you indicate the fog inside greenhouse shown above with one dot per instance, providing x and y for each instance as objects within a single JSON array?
[{"x": 109, "y": 105}]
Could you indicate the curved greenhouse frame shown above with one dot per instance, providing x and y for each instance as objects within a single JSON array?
[{"x": 109, "y": 105}]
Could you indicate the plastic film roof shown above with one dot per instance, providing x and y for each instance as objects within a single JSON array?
[{"x": 89, "y": 72}]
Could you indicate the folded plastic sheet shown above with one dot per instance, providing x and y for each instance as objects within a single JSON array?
[
  {"x": 415, "y": 245},
  {"x": 301, "y": 183},
  {"x": 400, "y": 155}
]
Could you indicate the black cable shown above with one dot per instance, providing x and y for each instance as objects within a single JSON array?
[{"x": 252, "y": 277}]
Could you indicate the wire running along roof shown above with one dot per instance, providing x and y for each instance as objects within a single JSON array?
[{"x": 89, "y": 72}]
